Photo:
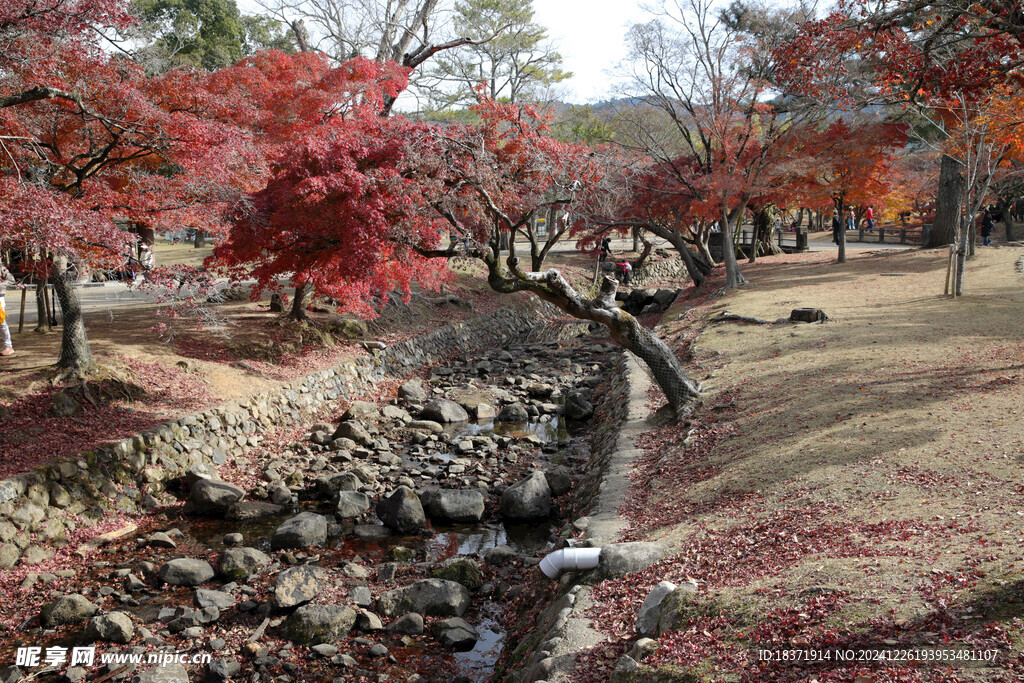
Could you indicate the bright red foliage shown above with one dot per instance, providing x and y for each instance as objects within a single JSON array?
[{"x": 90, "y": 138}]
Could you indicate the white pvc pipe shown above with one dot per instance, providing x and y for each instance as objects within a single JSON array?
[{"x": 569, "y": 560}]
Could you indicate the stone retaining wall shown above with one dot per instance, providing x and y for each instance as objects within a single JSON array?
[
  {"x": 666, "y": 270},
  {"x": 42, "y": 506}
]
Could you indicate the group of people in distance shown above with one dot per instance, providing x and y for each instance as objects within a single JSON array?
[
  {"x": 623, "y": 269},
  {"x": 851, "y": 221},
  {"x": 986, "y": 223}
]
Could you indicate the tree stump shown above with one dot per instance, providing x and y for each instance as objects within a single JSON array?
[
  {"x": 276, "y": 304},
  {"x": 807, "y": 315}
]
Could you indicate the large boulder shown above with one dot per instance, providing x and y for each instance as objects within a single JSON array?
[
  {"x": 410, "y": 624},
  {"x": 462, "y": 570},
  {"x": 412, "y": 392},
  {"x": 443, "y": 410},
  {"x": 430, "y": 597},
  {"x": 456, "y": 505},
  {"x": 559, "y": 479},
  {"x": 647, "y": 620},
  {"x": 455, "y": 633},
  {"x": 237, "y": 563},
  {"x": 355, "y": 431},
  {"x": 303, "y": 530},
  {"x": 212, "y": 497},
  {"x": 577, "y": 407},
  {"x": 351, "y": 504},
  {"x": 67, "y": 609},
  {"x": 115, "y": 627},
  {"x": 619, "y": 559},
  {"x": 426, "y": 426},
  {"x": 330, "y": 484},
  {"x": 361, "y": 410},
  {"x": 316, "y": 624},
  {"x": 297, "y": 585},
  {"x": 527, "y": 499},
  {"x": 169, "y": 673},
  {"x": 245, "y": 510},
  {"x": 664, "y": 297},
  {"x": 682, "y": 607},
  {"x": 186, "y": 571},
  {"x": 205, "y": 597},
  {"x": 513, "y": 412},
  {"x": 402, "y": 511}
]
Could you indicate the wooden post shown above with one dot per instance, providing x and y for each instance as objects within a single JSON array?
[
  {"x": 881, "y": 234},
  {"x": 903, "y": 235},
  {"x": 21, "y": 316}
]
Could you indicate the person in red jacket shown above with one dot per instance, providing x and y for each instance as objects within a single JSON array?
[{"x": 869, "y": 215}]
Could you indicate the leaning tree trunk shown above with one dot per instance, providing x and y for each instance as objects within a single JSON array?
[
  {"x": 301, "y": 301},
  {"x": 700, "y": 239},
  {"x": 644, "y": 255},
  {"x": 42, "y": 310},
  {"x": 681, "y": 391},
  {"x": 75, "y": 353},
  {"x": 948, "y": 203},
  {"x": 733, "y": 277},
  {"x": 693, "y": 267}
]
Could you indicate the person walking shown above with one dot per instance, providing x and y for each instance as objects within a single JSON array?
[
  {"x": 606, "y": 249},
  {"x": 6, "y": 280},
  {"x": 851, "y": 220},
  {"x": 987, "y": 225},
  {"x": 836, "y": 226},
  {"x": 869, "y": 215}
]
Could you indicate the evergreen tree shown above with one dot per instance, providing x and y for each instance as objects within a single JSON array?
[{"x": 509, "y": 54}]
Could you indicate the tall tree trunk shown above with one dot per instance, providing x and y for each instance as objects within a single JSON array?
[
  {"x": 75, "y": 352},
  {"x": 301, "y": 301},
  {"x": 733, "y": 277},
  {"x": 948, "y": 203},
  {"x": 42, "y": 310},
  {"x": 961, "y": 259},
  {"x": 636, "y": 239},
  {"x": 972, "y": 237},
  {"x": 200, "y": 239},
  {"x": 1008, "y": 223},
  {"x": 841, "y": 256}
]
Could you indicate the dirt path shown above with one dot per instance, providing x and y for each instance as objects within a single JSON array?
[{"x": 849, "y": 485}]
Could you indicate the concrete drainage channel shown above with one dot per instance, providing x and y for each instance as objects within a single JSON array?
[{"x": 548, "y": 648}]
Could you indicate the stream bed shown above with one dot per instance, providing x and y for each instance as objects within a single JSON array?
[{"x": 426, "y": 517}]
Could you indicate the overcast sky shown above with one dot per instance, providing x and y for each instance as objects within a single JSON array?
[{"x": 590, "y": 35}]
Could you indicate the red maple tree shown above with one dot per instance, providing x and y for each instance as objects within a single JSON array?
[{"x": 90, "y": 138}]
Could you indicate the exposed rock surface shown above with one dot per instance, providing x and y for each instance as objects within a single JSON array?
[{"x": 430, "y": 597}]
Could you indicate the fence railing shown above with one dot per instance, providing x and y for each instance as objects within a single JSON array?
[{"x": 889, "y": 234}]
